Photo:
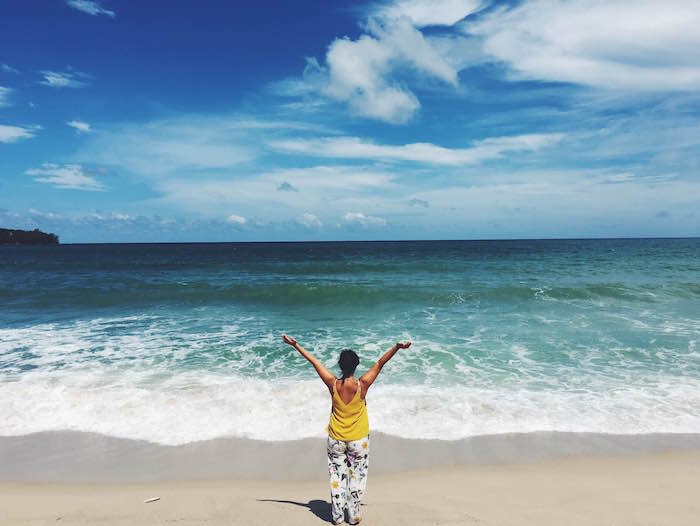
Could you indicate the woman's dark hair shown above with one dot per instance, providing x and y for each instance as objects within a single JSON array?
[{"x": 348, "y": 362}]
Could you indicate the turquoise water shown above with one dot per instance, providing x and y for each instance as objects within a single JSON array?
[{"x": 180, "y": 342}]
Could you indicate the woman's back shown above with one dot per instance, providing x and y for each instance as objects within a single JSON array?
[
  {"x": 348, "y": 419},
  {"x": 347, "y": 389}
]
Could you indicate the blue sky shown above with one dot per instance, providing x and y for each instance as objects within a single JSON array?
[{"x": 405, "y": 119}]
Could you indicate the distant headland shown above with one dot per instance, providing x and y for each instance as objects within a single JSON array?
[{"x": 26, "y": 237}]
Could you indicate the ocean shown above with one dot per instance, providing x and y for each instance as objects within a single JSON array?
[{"x": 175, "y": 343}]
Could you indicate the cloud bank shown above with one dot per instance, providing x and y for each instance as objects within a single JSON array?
[{"x": 644, "y": 45}]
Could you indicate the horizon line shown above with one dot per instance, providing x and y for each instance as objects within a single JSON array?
[{"x": 433, "y": 240}]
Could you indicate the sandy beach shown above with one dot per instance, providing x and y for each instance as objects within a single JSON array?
[{"x": 78, "y": 478}]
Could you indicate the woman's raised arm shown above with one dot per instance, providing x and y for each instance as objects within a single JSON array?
[
  {"x": 370, "y": 376},
  {"x": 327, "y": 377}
]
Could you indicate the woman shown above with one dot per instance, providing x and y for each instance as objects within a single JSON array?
[{"x": 348, "y": 428}]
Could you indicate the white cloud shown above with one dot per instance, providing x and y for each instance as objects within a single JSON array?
[
  {"x": 63, "y": 79},
  {"x": 369, "y": 73},
  {"x": 4, "y": 96},
  {"x": 356, "y": 148},
  {"x": 430, "y": 13},
  {"x": 90, "y": 7},
  {"x": 10, "y": 134},
  {"x": 360, "y": 71},
  {"x": 68, "y": 176},
  {"x": 361, "y": 219},
  {"x": 309, "y": 220},
  {"x": 614, "y": 44},
  {"x": 8, "y": 69},
  {"x": 80, "y": 126},
  {"x": 236, "y": 219},
  {"x": 163, "y": 148}
]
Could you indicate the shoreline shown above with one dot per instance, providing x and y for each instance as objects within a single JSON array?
[{"x": 80, "y": 457}]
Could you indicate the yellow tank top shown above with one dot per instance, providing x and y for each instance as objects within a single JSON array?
[{"x": 348, "y": 421}]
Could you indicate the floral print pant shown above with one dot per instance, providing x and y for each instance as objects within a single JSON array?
[{"x": 347, "y": 466}]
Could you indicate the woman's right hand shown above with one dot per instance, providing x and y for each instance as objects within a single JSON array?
[
  {"x": 403, "y": 345},
  {"x": 289, "y": 340}
]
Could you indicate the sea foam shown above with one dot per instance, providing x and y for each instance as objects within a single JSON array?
[
  {"x": 192, "y": 407},
  {"x": 128, "y": 377}
]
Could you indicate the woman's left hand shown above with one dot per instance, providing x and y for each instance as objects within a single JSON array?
[{"x": 289, "y": 340}]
